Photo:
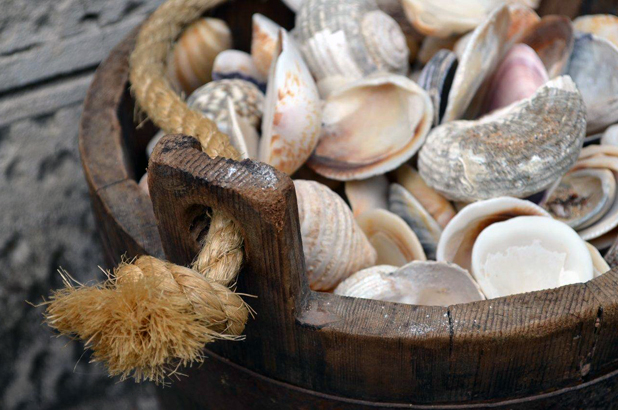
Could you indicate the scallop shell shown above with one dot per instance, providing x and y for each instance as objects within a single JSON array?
[
  {"x": 242, "y": 135},
  {"x": 394, "y": 241},
  {"x": 599, "y": 264},
  {"x": 599, "y": 87},
  {"x": 403, "y": 204},
  {"x": 417, "y": 283},
  {"x": 436, "y": 78},
  {"x": 371, "y": 126},
  {"x": 460, "y": 234},
  {"x": 234, "y": 64},
  {"x": 527, "y": 254},
  {"x": 349, "y": 38},
  {"x": 516, "y": 151},
  {"x": 291, "y": 125},
  {"x": 552, "y": 39},
  {"x": 601, "y": 25},
  {"x": 334, "y": 245},
  {"x": 195, "y": 52},
  {"x": 367, "y": 194},
  {"x": 438, "y": 207},
  {"x": 582, "y": 197},
  {"x": 264, "y": 43}
]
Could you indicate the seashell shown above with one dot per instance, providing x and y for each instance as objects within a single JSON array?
[
  {"x": 516, "y": 151},
  {"x": 264, "y": 43},
  {"x": 367, "y": 194},
  {"x": 305, "y": 172},
  {"x": 552, "y": 39},
  {"x": 519, "y": 75},
  {"x": 601, "y": 25},
  {"x": 291, "y": 124},
  {"x": 438, "y": 207},
  {"x": 527, "y": 254},
  {"x": 599, "y": 264},
  {"x": 394, "y": 241},
  {"x": 371, "y": 126},
  {"x": 349, "y": 38},
  {"x": 582, "y": 197},
  {"x": 437, "y": 78},
  {"x": 242, "y": 135},
  {"x": 143, "y": 184},
  {"x": 334, "y": 245},
  {"x": 417, "y": 283},
  {"x": 460, "y": 234},
  {"x": 610, "y": 136},
  {"x": 196, "y": 49},
  {"x": 153, "y": 142},
  {"x": 605, "y": 241},
  {"x": 234, "y": 64},
  {"x": 394, "y": 8},
  {"x": 293, "y": 5},
  {"x": 432, "y": 45},
  {"x": 599, "y": 87},
  {"x": 403, "y": 204}
]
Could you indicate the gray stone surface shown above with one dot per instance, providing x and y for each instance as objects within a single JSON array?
[{"x": 48, "y": 52}]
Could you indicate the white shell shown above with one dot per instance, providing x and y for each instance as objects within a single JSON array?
[
  {"x": 460, "y": 234},
  {"x": 527, "y": 254},
  {"x": 393, "y": 240},
  {"x": 598, "y": 263},
  {"x": 264, "y": 43},
  {"x": 371, "y": 126},
  {"x": 294, "y": 5},
  {"x": 242, "y": 135},
  {"x": 233, "y": 64},
  {"x": 417, "y": 283},
  {"x": 367, "y": 194},
  {"x": 601, "y": 25},
  {"x": 292, "y": 113},
  {"x": 334, "y": 245},
  {"x": 610, "y": 136}
]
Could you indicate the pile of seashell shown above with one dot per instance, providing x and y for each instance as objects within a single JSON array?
[{"x": 436, "y": 151}]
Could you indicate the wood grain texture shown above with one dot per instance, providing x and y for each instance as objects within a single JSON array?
[{"x": 552, "y": 349}]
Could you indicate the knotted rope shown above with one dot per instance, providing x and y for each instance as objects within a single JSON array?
[{"x": 152, "y": 316}]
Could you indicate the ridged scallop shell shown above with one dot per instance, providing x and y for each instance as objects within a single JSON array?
[
  {"x": 403, "y": 204},
  {"x": 552, "y": 39},
  {"x": 417, "y": 283},
  {"x": 367, "y": 194},
  {"x": 264, "y": 43},
  {"x": 394, "y": 241},
  {"x": 527, "y": 254},
  {"x": 601, "y": 25},
  {"x": 334, "y": 245},
  {"x": 195, "y": 52},
  {"x": 437, "y": 78},
  {"x": 350, "y": 39},
  {"x": 371, "y": 127},
  {"x": 234, "y": 64},
  {"x": 458, "y": 237},
  {"x": 292, "y": 113},
  {"x": 599, "y": 87},
  {"x": 516, "y": 151}
]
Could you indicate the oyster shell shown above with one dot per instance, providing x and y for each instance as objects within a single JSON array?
[
  {"x": 460, "y": 234},
  {"x": 291, "y": 124},
  {"x": 393, "y": 240},
  {"x": 367, "y": 194},
  {"x": 264, "y": 43},
  {"x": 599, "y": 87},
  {"x": 417, "y": 283},
  {"x": 191, "y": 62},
  {"x": 438, "y": 207},
  {"x": 601, "y": 25},
  {"x": 516, "y": 151},
  {"x": 437, "y": 78},
  {"x": 527, "y": 254},
  {"x": 349, "y": 39},
  {"x": 234, "y": 64},
  {"x": 334, "y": 245},
  {"x": 552, "y": 39},
  {"x": 403, "y": 204},
  {"x": 371, "y": 126}
]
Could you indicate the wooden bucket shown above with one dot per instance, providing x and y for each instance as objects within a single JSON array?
[{"x": 553, "y": 349}]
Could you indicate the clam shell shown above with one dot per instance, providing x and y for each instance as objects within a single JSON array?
[
  {"x": 234, "y": 64},
  {"x": 417, "y": 283},
  {"x": 394, "y": 241},
  {"x": 371, "y": 127},
  {"x": 264, "y": 43},
  {"x": 460, "y": 234},
  {"x": 599, "y": 264},
  {"x": 582, "y": 197},
  {"x": 242, "y": 135},
  {"x": 403, "y": 204},
  {"x": 436, "y": 78},
  {"x": 527, "y": 254},
  {"x": 601, "y": 25},
  {"x": 367, "y": 194},
  {"x": 349, "y": 38},
  {"x": 195, "y": 51},
  {"x": 552, "y": 39},
  {"x": 292, "y": 112},
  {"x": 438, "y": 207},
  {"x": 516, "y": 151},
  {"x": 599, "y": 87},
  {"x": 334, "y": 245},
  {"x": 610, "y": 136}
]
